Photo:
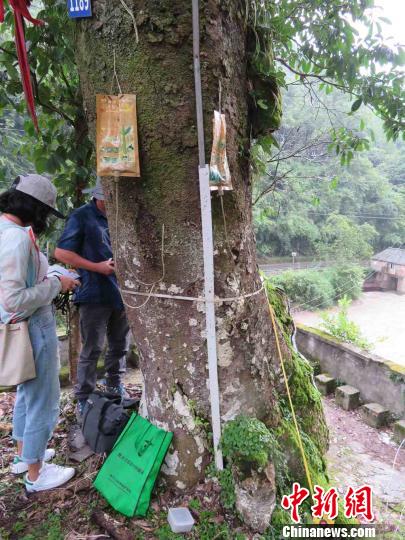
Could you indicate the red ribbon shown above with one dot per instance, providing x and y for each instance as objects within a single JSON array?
[{"x": 21, "y": 12}]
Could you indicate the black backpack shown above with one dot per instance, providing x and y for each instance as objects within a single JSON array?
[{"x": 104, "y": 418}]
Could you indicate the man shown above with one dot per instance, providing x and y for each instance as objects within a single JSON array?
[{"x": 85, "y": 245}]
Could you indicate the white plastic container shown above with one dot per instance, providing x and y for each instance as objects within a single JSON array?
[{"x": 180, "y": 520}]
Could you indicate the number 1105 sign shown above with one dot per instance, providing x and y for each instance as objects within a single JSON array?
[{"x": 79, "y": 8}]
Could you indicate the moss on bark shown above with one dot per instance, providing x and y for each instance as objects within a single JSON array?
[{"x": 170, "y": 335}]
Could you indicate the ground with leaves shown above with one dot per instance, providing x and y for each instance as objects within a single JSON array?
[{"x": 78, "y": 512}]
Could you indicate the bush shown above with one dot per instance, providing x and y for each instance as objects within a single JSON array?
[
  {"x": 310, "y": 289},
  {"x": 347, "y": 281},
  {"x": 320, "y": 289},
  {"x": 342, "y": 328}
]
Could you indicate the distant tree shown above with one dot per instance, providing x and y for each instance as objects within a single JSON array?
[
  {"x": 344, "y": 241},
  {"x": 302, "y": 182}
]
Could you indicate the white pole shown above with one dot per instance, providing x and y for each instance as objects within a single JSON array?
[
  {"x": 208, "y": 247},
  {"x": 206, "y": 219}
]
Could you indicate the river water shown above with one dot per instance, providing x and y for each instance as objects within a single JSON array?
[{"x": 381, "y": 317}]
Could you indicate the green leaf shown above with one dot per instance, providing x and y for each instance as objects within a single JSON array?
[
  {"x": 357, "y": 104},
  {"x": 262, "y": 104},
  {"x": 316, "y": 201},
  {"x": 334, "y": 182},
  {"x": 267, "y": 142}
]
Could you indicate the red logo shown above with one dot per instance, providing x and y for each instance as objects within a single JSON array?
[
  {"x": 295, "y": 500},
  {"x": 359, "y": 502},
  {"x": 326, "y": 503}
]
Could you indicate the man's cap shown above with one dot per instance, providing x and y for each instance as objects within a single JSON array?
[
  {"x": 96, "y": 191},
  {"x": 39, "y": 188}
]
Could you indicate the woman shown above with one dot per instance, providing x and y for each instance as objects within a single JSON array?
[{"x": 27, "y": 293}]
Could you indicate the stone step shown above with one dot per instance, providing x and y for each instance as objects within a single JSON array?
[
  {"x": 325, "y": 384},
  {"x": 375, "y": 415},
  {"x": 347, "y": 397},
  {"x": 399, "y": 431}
]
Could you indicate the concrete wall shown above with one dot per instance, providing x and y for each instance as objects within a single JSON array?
[{"x": 377, "y": 379}]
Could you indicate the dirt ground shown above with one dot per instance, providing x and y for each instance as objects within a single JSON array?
[
  {"x": 361, "y": 455},
  {"x": 358, "y": 455},
  {"x": 381, "y": 317}
]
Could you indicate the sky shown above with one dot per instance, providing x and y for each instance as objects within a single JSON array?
[{"x": 395, "y": 11}]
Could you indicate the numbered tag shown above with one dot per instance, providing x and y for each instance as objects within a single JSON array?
[{"x": 79, "y": 8}]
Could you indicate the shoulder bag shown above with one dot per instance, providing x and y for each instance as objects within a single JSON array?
[
  {"x": 17, "y": 363},
  {"x": 16, "y": 357}
]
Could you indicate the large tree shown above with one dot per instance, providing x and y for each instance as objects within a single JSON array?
[
  {"x": 170, "y": 334},
  {"x": 246, "y": 46}
]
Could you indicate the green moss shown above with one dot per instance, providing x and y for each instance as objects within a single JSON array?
[
  {"x": 320, "y": 333},
  {"x": 397, "y": 368},
  {"x": 276, "y": 297},
  {"x": 305, "y": 396},
  {"x": 246, "y": 441},
  {"x": 312, "y": 426},
  {"x": 280, "y": 519}
]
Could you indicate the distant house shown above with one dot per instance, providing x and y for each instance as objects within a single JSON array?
[{"x": 389, "y": 266}]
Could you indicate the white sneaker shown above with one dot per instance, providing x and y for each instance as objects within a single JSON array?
[
  {"x": 50, "y": 477},
  {"x": 19, "y": 466}
]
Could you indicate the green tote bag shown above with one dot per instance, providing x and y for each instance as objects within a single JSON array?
[{"x": 129, "y": 473}]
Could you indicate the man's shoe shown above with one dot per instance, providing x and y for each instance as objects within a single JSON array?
[
  {"x": 50, "y": 477},
  {"x": 117, "y": 390},
  {"x": 19, "y": 466}
]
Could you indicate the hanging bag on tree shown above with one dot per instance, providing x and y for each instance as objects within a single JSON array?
[
  {"x": 129, "y": 473},
  {"x": 117, "y": 136},
  {"x": 220, "y": 176}
]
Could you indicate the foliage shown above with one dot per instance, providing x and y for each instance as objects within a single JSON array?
[
  {"x": 246, "y": 440},
  {"x": 347, "y": 281},
  {"x": 12, "y": 160},
  {"x": 345, "y": 241},
  {"x": 279, "y": 519},
  {"x": 227, "y": 483},
  {"x": 308, "y": 288},
  {"x": 322, "y": 45},
  {"x": 342, "y": 328},
  {"x": 62, "y": 149},
  {"x": 314, "y": 289},
  {"x": 50, "y": 529},
  {"x": 301, "y": 189}
]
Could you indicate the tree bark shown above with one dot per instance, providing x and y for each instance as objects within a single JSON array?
[{"x": 170, "y": 334}]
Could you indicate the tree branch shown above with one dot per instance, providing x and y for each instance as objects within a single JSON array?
[
  {"x": 49, "y": 106},
  {"x": 314, "y": 76}
]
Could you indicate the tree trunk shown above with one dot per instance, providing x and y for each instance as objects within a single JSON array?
[
  {"x": 170, "y": 334},
  {"x": 75, "y": 345}
]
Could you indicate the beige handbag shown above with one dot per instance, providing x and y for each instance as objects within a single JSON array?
[{"x": 16, "y": 357}]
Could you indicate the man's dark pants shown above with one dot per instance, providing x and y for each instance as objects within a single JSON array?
[{"x": 98, "y": 321}]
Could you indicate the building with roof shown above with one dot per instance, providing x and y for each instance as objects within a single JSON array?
[{"x": 389, "y": 267}]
